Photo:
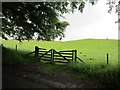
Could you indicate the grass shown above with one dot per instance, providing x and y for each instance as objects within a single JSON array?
[
  {"x": 95, "y": 67},
  {"x": 11, "y": 57},
  {"x": 86, "y": 49},
  {"x": 106, "y": 74}
]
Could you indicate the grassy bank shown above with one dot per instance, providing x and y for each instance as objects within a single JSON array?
[
  {"x": 11, "y": 57},
  {"x": 94, "y": 69},
  {"x": 106, "y": 75}
]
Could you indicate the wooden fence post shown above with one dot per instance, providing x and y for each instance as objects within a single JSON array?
[
  {"x": 16, "y": 47},
  {"x": 107, "y": 58},
  {"x": 52, "y": 55},
  {"x": 75, "y": 55},
  {"x": 36, "y": 52}
]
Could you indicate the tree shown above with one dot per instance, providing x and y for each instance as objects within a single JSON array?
[
  {"x": 112, "y": 4},
  {"x": 23, "y": 19}
]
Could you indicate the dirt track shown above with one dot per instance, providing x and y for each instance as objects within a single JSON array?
[{"x": 34, "y": 76}]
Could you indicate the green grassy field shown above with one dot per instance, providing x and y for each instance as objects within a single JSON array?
[
  {"x": 95, "y": 68},
  {"x": 86, "y": 49}
]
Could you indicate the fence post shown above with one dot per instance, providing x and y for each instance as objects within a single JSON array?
[
  {"x": 75, "y": 55},
  {"x": 36, "y": 52},
  {"x": 16, "y": 47},
  {"x": 52, "y": 55},
  {"x": 107, "y": 58}
]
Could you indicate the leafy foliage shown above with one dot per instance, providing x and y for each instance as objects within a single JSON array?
[
  {"x": 23, "y": 19},
  {"x": 112, "y": 4}
]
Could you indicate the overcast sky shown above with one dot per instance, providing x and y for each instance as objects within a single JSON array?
[{"x": 94, "y": 22}]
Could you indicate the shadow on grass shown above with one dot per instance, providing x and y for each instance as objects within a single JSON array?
[
  {"x": 12, "y": 57},
  {"x": 107, "y": 75}
]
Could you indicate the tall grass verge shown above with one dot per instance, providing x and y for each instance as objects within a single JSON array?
[
  {"x": 106, "y": 74},
  {"x": 12, "y": 57}
]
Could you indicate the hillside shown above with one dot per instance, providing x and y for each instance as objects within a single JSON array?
[
  {"x": 96, "y": 49},
  {"x": 93, "y": 73}
]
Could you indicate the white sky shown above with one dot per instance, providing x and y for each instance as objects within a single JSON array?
[{"x": 94, "y": 22}]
